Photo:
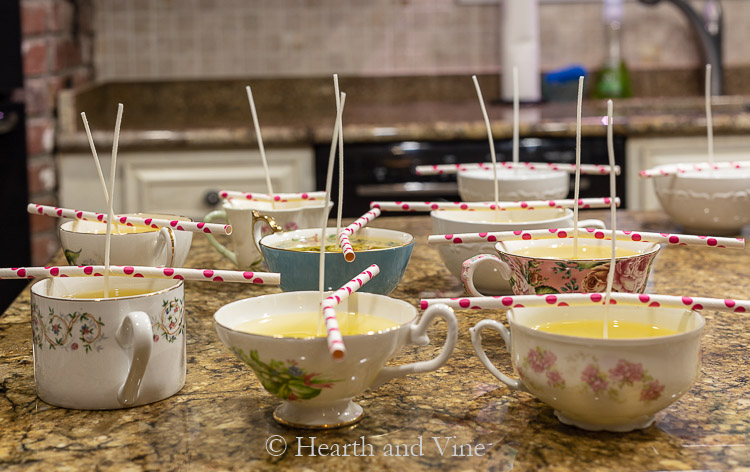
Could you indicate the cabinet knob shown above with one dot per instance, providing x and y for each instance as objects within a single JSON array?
[{"x": 211, "y": 197}]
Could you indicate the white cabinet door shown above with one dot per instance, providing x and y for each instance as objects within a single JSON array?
[
  {"x": 178, "y": 182},
  {"x": 644, "y": 153}
]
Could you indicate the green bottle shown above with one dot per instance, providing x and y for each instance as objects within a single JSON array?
[{"x": 614, "y": 79}]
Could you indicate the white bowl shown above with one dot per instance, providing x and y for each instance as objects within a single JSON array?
[
  {"x": 709, "y": 202},
  {"x": 477, "y": 185}
]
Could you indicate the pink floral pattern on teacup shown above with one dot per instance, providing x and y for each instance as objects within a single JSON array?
[
  {"x": 600, "y": 381},
  {"x": 542, "y": 276}
]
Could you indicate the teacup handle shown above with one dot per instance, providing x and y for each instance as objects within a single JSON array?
[
  {"x": 470, "y": 266},
  {"x": 268, "y": 220},
  {"x": 476, "y": 341},
  {"x": 166, "y": 241},
  {"x": 418, "y": 336},
  {"x": 211, "y": 217},
  {"x": 598, "y": 224},
  {"x": 134, "y": 333}
]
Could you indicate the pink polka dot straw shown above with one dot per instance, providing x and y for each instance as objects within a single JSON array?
[
  {"x": 472, "y": 206},
  {"x": 276, "y": 197},
  {"x": 359, "y": 223},
  {"x": 180, "y": 225},
  {"x": 437, "y": 169},
  {"x": 201, "y": 275},
  {"x": 584, "y": 299},
  {"x": 589, "y": 233},
  {"x": 333, "y": 334},
  {"x": 665, "y": 170}
]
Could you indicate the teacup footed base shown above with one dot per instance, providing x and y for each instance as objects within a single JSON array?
[
  {"x": 332, "y": 416},
  {"x": 619, "y": 428}
]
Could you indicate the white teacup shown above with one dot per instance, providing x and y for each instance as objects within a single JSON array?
[
  {"x": 279, "y": 216},
  {"x": 83, "y": 243},
  {"x": 478, "y": 185},
  {"x": 487, "y": 279},
  {"x": 600, "y": 384},
  {"x": 317, "y": 391},
  {"x": 100, "y": 354}
]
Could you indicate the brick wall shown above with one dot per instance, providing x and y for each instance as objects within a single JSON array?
[{"x": 57, "y": 54}]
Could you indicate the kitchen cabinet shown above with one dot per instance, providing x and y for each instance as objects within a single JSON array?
[
  {"x": 645, "y": 153},
  {"x": 181, "y": 182}
]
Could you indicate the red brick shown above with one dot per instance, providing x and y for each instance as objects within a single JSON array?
[
  {"x": 34, "y": 17},
  {"x": 67, "y": 54},
  {"x": 43, "y": 247},
  {"x": 42, "y": 175},
  {"x": 38, "y": 95},
  {"x": 82, "y": 76},
  {"x": 34, "y": 57},
  {"x": 40, "y": 136},
  {"x": 62, "y": 16}
]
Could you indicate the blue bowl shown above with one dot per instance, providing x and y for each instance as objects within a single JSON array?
[{"x": 299, "y": 269}]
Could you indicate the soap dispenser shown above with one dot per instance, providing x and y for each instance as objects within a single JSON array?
[{"x": 614, "y": 79}]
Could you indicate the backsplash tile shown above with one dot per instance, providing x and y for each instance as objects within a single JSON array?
[{"x": 199, "y": 39}]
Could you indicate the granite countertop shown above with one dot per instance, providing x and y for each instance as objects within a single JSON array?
[
  {"x": 222, "y": 418},
  {"x": 213, "y": 115}
]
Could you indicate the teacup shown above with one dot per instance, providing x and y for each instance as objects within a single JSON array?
[
  {"x": 300, "y": 269},
  {"x": 600, "y": 384},
  {"x": 317, "y": 391},
  {"x": 709, "y": 202},
  {"x": 487, "y": 279},
  {"x": 478, "y": 185},
  {"x": 83, "y": 243},
  {"x": 531, "y": 266},
  {"x": 107, "y": 353},
  {"x": 246, "y": 232}
]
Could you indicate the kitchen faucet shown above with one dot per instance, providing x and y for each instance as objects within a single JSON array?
[{"x": 709, "y": 30}]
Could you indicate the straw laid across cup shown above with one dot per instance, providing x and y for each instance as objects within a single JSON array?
[
  {"x": 470, "y": 206},
  {"x": 333, "y": 334},
  {"x": 665, "y": 170},
  {"x": 276, "y": 197},
  {"x": 436, "y": 169},
  {"x": 200, "y": 275},
  {"x": 180, "y": 225},
  {"x": 359, "y": 223},
  {"x": 584, "y": 299},
  {"x": 588, "y": 233}
]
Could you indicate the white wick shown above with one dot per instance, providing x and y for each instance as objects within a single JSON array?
[
  {"x": 577, "y": 189},
  {"x": 492, "y": 142}
]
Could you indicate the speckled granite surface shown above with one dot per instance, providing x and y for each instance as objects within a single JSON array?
[
  {"x": 221, "y": 420},
  {"x": 215, "y": 114}
]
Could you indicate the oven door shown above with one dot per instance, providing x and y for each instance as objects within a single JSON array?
[{"x": 386, "y": 171}]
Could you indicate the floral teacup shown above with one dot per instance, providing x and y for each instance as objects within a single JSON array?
[
  {"x": 316, "y": 390},
  {"x": 541, "y": 274},
  {"x": 600, "y": 384}
]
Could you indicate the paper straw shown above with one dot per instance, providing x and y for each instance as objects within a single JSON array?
[
  {"x": 577, "y": 187},
  {"x": 276, "y": 197},
  {"x": 489, "y": 136},
  {"x": 262, "y": 149},
  {"x": 437, "y": 169},
  {"x": 585, "y": 299},
  {"x": 339, "y": 210},
  {"x": 358, "y": 224},
  {"x": 589, "y": 233},
  {"x": 697, "y": 167},
  {"x": 180, "y": 225},
  {"x": 200, "y": 275},
  {"x": 709, "y": 120},
  {"x": 110, "y": 200},
  {"x": 96, "y": 157},
  {"x": 333, "y": 334},
  {"x": 471, "y": 206}
]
